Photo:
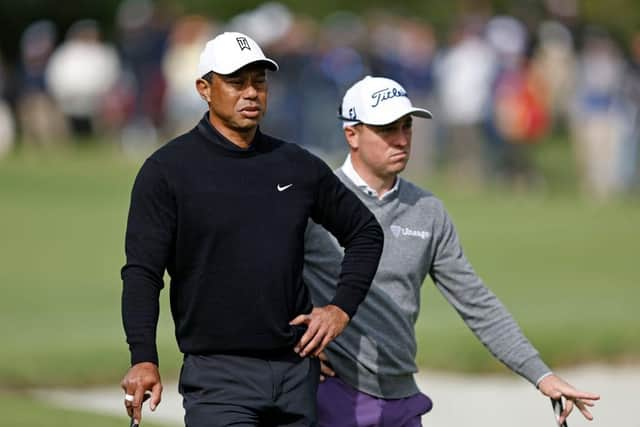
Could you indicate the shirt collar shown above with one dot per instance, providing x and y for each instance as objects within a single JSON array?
[
  {"x": 211, "y": 133},
  {"x": 350, "y": 172}
]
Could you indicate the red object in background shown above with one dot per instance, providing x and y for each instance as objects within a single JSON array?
[{"x": 521, "y": 114}]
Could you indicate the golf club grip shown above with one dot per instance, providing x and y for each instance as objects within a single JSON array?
[
  {"x": 145, "y": 397},
  {"x": 558, "y": 407}
]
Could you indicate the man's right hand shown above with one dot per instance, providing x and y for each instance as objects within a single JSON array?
[
  {"x": 140, "y": 378},
  {"x": 323, "y": 325}
]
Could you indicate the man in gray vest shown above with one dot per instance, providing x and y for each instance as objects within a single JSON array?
[{"x": 370, "y": 368}]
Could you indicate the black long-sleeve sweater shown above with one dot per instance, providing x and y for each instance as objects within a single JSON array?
[{"x": 228, "y": 226}]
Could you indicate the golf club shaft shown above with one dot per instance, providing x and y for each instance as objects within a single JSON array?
[{"x": 558, "y": 408}]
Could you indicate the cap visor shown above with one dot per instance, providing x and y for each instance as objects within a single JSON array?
[
  {"x": 269, "y": 64},
  {"x": 417, "y": 112},
  {"x": 421, "y": 112}
]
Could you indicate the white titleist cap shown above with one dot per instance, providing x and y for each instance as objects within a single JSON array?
[
  {"x": 229, "y": 52},
  {"x": 377, "y": 101}
]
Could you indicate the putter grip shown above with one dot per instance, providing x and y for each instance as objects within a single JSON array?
[{"x": 558, "y": 407}]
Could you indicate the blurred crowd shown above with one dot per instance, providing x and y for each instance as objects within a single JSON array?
[{"x": 497, "y": 86}]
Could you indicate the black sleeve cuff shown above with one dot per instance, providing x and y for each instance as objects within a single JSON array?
[{"x": 144, "y": 354}]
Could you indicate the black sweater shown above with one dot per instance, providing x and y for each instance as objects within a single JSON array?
[{"x": 228, "y": 226}]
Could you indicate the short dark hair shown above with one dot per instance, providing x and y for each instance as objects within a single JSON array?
[{"x": 208, "y": 77}]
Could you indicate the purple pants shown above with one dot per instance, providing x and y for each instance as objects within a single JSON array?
[{"x": 340, "y": 405}]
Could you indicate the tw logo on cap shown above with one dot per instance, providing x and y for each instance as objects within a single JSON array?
[{"x": 243, "y": 43}]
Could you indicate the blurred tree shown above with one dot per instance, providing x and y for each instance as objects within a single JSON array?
[
  {"x": 620, "y": 17},
  {"x": 16, "y": 15}
]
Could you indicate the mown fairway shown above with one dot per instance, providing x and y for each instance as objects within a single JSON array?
[{"x": 22, "y": 411}]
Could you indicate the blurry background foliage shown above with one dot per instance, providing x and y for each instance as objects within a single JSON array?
[{"x": 620, "y": 17}]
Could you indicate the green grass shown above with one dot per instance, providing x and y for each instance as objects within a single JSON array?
[
  {"x": 62, "y": 228},
  {"x": 564, "y": 266},
  {"x": 23, "y": 411}
]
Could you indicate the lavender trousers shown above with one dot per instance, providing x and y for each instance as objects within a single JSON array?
[{"x": 340, "y": 405}]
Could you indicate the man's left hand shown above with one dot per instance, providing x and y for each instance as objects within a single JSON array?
[
  {"x": 555, "y": 387},
  {"x": 323, "y": 325}
]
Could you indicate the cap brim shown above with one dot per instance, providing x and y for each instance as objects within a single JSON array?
[
  {"x": 269, "y": 64},
  {"x": 416, "y": 112},
  {"x": 421, "y": 112}
]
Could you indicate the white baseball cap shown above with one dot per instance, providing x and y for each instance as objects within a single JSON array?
[
  {"x": 230, "y": 51},
  {"x": 377, "y": 101}
]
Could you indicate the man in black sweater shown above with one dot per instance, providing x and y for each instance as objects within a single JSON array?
[{"x": 223, "y": 209}]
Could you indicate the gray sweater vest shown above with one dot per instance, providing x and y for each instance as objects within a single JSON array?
[{"x": 376, "y": 352}]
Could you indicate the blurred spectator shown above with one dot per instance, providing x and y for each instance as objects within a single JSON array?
[
  {"x": 600, "y": 118},
  {"x": 313, "y": 73},
  {"x": 80, "y": 73},
  {"x": 555, "y": 60},
  {"x": 286, "y": 117},
  {"x": 41, "y": 121},
  {"x": 630, "y": 158},
  {"x": 182, "y": 105},
  {"x": 403, "y": 49},
  {"x": 495, "y": 88},
  {"x": 267, "y": 23},
  {"x": 519, "y": 113},
  {"x": 564, "y": 9},
  {"x": 465, "y": 72},
  {"x": 142, "y": 42},
  {"x": 338, "y": 61},
  {"x": 7, "y": 127}
]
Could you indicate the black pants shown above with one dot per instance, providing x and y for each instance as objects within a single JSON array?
[{"x": 225, "y": 390}]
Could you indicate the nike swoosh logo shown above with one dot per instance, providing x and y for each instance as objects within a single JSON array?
[{"x": 284, "y": 187}]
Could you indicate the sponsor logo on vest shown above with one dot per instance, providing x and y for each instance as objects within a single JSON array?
[{"x": 405, "y": 231}]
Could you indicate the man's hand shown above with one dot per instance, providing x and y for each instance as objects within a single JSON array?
[
  {"x": 325, "y": 367},
  {"x": 555, "y": 387},
  {"x": 323, "y": 325},
  {"x": 140, "y": 378}
]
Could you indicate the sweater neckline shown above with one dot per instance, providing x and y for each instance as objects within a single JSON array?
[
  {"x": 223, "y": 145},
  {"x": 366, "y": 197}
]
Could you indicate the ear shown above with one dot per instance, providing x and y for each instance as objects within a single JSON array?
[
  {"x": 352, "y": 137},
  {"x": 204, "y": 89}
]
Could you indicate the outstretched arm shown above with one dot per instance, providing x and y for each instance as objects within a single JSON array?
[
  {"x": 478, "y": 307},
  {"x": 494, "y": 326}
]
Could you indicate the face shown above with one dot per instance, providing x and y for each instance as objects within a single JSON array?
[
  {"x": 236, "y": 101},
  {"x": 382, "y": 150}
]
